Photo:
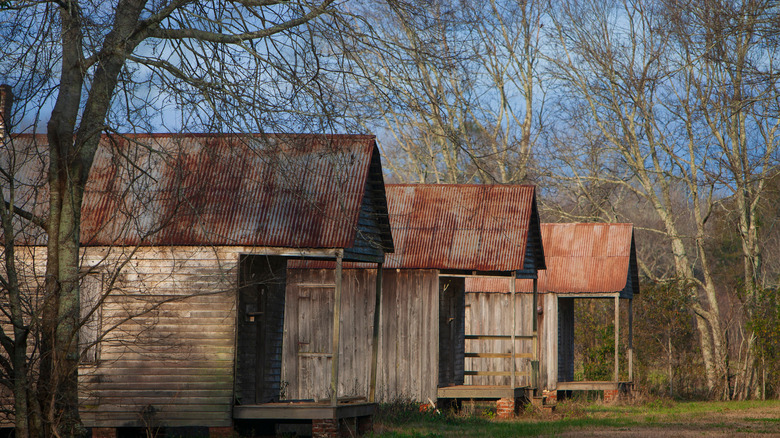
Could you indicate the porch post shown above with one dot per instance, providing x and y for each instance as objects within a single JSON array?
[
  {"x": 375, "y": 341},
  {"x": 512, "y": 287},
  {"x": 617, "y": 338},
  {"x": 631, "y": 340},
  {"x": 535, "y": 369},
  {"x": 334, "y": 370}
]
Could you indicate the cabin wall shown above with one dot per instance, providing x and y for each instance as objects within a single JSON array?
[
  {"x": 408, "y": 346},
  {"x": 172, "y": 364},
  {"x": 308, "y": 328},
  {"x": 489, "y": 313},
  {"x": 160, "y": 347}
]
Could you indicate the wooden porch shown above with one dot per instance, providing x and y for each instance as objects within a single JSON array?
[
  {"x": 595, "y": 386},
  {"x": 304, "y": 410},
  {"x": 484, "y": 392}
]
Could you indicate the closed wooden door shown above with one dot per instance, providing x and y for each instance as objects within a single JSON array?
[{"x": 315, "y": 341}]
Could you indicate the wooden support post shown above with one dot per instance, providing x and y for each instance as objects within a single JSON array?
[
  {"x": 512, "y": 286},
  {"x": 617, "y": 338},
  {"x": 535, "y": 327},
  {"x": 334, "y": 370},
  {"x": 630, "y": 340},
  {"x": 375, "y": 341}
]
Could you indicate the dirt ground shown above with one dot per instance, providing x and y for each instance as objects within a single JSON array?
[{"x": 755, "y": 422}]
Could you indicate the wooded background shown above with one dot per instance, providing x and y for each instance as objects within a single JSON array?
[{"x": 662, "y": 113}]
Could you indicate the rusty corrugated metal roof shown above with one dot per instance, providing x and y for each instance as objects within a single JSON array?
[
  {"x": 460, "y": 227},
  {"x": 580, "y": 258},
  {"x": 299, "y": 191}
]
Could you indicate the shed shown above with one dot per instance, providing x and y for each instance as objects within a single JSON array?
[
  {"x": 584, "y": 261},
  {"x": 443, "y": 235},
  {"x": 186, "y": 240}
]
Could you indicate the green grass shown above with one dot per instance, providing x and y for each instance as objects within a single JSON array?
[{"x": 406, "y": 420}]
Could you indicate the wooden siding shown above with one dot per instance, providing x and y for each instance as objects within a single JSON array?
[
  {"x": 177, "y": 359},
  {"x": 491, "y": 314},
  {"x": 166, "y": 335},
  {"x": 408, "y": 345},
  {"x": 409, "y": 336},
  {"x": 373, "y": 236},
  {"x": 308, "y": 327}
]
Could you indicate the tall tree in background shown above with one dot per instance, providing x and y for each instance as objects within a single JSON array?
[
  {"x": 456, "y": 85},
  {"x": 683, "y": 98},
  {"x": 114, "y": 66}
]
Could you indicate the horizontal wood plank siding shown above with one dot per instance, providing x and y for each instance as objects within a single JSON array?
[{"x": 175, "y": 356}]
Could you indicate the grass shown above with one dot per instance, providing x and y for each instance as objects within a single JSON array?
[{"x": 406, "y": 419}]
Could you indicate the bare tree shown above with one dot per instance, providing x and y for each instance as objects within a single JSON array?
[
  {"x": 685, "y": 101},
  {"x": 456, "y": 85},
  {"x": 102, "y": 67}
]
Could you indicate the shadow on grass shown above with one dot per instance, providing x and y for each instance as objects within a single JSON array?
[{"x": 409, "y": 420}]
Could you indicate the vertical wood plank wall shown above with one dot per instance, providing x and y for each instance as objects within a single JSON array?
[
  {"x": 408, "y": 347},
  {"x": 491, "y": 314}
]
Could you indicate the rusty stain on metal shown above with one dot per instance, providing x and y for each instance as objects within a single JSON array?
[
  {"x": 580, "y": 258},
  {"x": 282, "y": 190},
  {"x": 454, "y": 227},
  {"x": 464, "y": 227}
]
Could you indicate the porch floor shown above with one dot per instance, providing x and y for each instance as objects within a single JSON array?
[
  {"x": 487, "y": 392},
  {"x": 593, "y": 386},
  {"x": 303, "y": 410}
]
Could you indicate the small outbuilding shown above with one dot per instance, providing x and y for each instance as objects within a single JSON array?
[
  {"x": 443, "y": 235},
  {"x": 584, "y": 261},
  {"x": 186, "y": 240}
]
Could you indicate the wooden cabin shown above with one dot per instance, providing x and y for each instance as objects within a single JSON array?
[
  {"x": 584, "y": 261},
  {"x": 443, "y": 235},
  {"x": 186, "y": 240}
]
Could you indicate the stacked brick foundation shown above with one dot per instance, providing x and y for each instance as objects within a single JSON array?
[
  {"x": 325, "y": 428},
  {"x": 611, "y": 395},
  {"x": 220, "y": 432},
  {"x": 506, "y": 408},
  {"x": 103, "y": 432}
]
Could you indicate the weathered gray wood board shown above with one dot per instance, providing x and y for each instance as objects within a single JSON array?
[
  {"x": 408, "y": 334},
  {"x": 164, "y": 349},
  {"x": 174, "y": 358},
  {"x": 490, "y": 314}
]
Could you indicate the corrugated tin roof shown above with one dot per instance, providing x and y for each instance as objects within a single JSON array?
[
  {"x": 580, "y": 258},
  {"x": 297, "y": 191},
  {"x": 460, "y": 227}
]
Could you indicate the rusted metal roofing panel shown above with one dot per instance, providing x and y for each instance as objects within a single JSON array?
[
  {"x": 580, "y": 258},
  {"x": 295, "y": 191},
  {"x": 460, "y": 227}
]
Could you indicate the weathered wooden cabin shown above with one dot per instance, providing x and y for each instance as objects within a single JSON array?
[
  {"x": 185, "y": 240},
  {"x": 584, "y": 261},
  {"x": 443, "y": 235}
]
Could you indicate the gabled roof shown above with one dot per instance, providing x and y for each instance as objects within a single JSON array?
[
  {"x": 294, "y": 191},
  {"x": 464, "y": 227},
  {"x": 581, "y": 259}
]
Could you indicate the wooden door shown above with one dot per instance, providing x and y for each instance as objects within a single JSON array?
[
  {"x": 315, "y": 341},
  {"x": 260, "y": 328},
  {"x": 452, "y": 332}
]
